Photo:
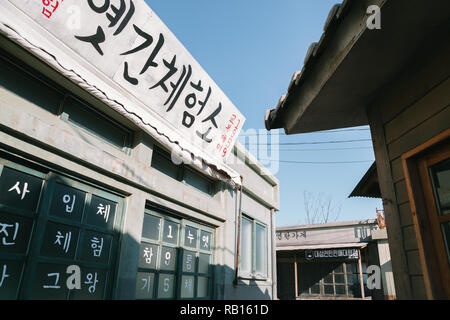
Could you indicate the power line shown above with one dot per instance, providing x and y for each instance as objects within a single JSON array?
[
  {"x": 307, "y": 143},
  {"x": 317, "y": 162},
  {"x": 327, "y": 149},
  {"x": 284, "y": 134}
]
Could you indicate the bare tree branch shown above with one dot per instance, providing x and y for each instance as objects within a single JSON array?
[{"x": 320, "y": 208}]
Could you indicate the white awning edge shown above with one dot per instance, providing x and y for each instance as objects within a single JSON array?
[{"x": 15, "y": 30}]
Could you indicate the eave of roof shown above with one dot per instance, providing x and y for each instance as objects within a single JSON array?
[
  {"x": 368, "y": 186},
  {"x": 351, "y": 64}
]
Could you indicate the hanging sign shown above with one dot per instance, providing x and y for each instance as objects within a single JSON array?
[
  {"x": 128, "y": 43},
  {"x": 341, "y": 253}
]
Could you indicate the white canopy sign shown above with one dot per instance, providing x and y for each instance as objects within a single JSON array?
[{"x": 129, "y": 44}]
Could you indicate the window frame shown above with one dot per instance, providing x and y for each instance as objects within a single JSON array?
[
  {"x": 180, "y": 172},
  {"x": 254, "y": 275},
  {"x": 32, "y": 74},
  {"x": 42, "y": 217},
  {"x": 66, "y": 117},
  {"x": 322, "y": 282},
  {"x": 180, "y": 249},
  {"x": 432, "y": 253}
]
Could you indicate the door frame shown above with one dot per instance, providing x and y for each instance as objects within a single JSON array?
[{"x": 432, "y": 252}]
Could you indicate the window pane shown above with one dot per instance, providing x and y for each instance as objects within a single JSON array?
[
  {"x": 101, "y": 213},
  {"x": 246, "y": 246},
  {"x": 144, "y": 285},
  {"x": 168, "y": 258},
  {"x": 339, "y": 278},
  {"x": 67, "y": 202},
  {"x": 189, "y": 261},
  {"x": 202, "y": 287},
  {"x": 353, "y": 278},
  {"x": 340, "y": 289},
  {"x": 339, "y": 268},
  {"x": 190, "y": 237},
  {"x": 261, "y": 250},
  {"x": 205, "y": 240},
  {"x": 10, "y": 285},
  {"x": 150, "y": 228},
  {"x": 203, "y": 263},
  {"x": 187, "y": 287},
  {"x": 170, "y": 233},
  {"x": 195, "y": 180},
  {"x": 19, "y": 190},
  {"x": 315, "y": 289},
  {"x": 440, "y": 174},
  {"x": 29, "y": 88},
  {"x": 351, "y": 268},
  {"x": 15, "y": 234},
  {"x": 446, "y": 235},
  {"x": 328, "y": 278},
  {"x": 161, "y": 161},
  {"x": 60, "y": 241},
  {"x": 328, "y": 289},
  {"x": 95, "y": 123},
  {"x": 148, "y": 256},
  {"x": 166, "y": 286}
]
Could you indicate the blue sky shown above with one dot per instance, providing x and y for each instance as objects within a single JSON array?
[{"x": 251, "y": 49}]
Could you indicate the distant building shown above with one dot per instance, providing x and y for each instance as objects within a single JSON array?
[
  {"x": 330, "y": 261},
  {"x": 392, "y": 75},
  {"x": 88, "y": 184}
]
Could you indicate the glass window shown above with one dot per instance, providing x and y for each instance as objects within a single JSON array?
[
  {"x": 170, "y": 234},
  {"x": 161, "y": 161},
  {"x": 446, "y": 233},
  {"x": 440, "y": 176},
  {"x": 38, "y": 269},
  {"x": 261, "y": 250},
  {"x": 190, "y": 237},
  {"x": 197, "y": 181},
  {"x": 96, "y": 123},
  {"x": 203, "y": 263},
  {"x": 328, "y": 289},
  {"x": 166, "y": 286},
  {"x": 187, "y": 287},
  {"x": 19, "y": 190},
  {"x": 315, "y": 288},
  {"x": 245, "y": 257},
  {"x": 145, "y": 285},
  {"x": 189, "y": 261},
  {"x": 340, "y": 290},
  {"x": 203, "y": 287},
  {"x": 16, "y": 80},
  {"x": 151, "y": 226},
  {"x": 174, "y": 261},
  {"x": 339, "y": 278},
  {"x": 441, "y": 182},
  {"x": 253, "y": 251},
  {"x": 329, "y": 278}
]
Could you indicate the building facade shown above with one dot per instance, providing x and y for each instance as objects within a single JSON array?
[
  {"x": 392, "y": 75},
  {"x": 333, "y": 261},
  {"x": 93, "y": 204}
]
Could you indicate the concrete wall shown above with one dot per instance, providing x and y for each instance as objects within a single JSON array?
[{"x": 29, "y": 131}]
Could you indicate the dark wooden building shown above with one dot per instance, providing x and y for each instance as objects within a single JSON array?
[{"x": 394, "y": 78}]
